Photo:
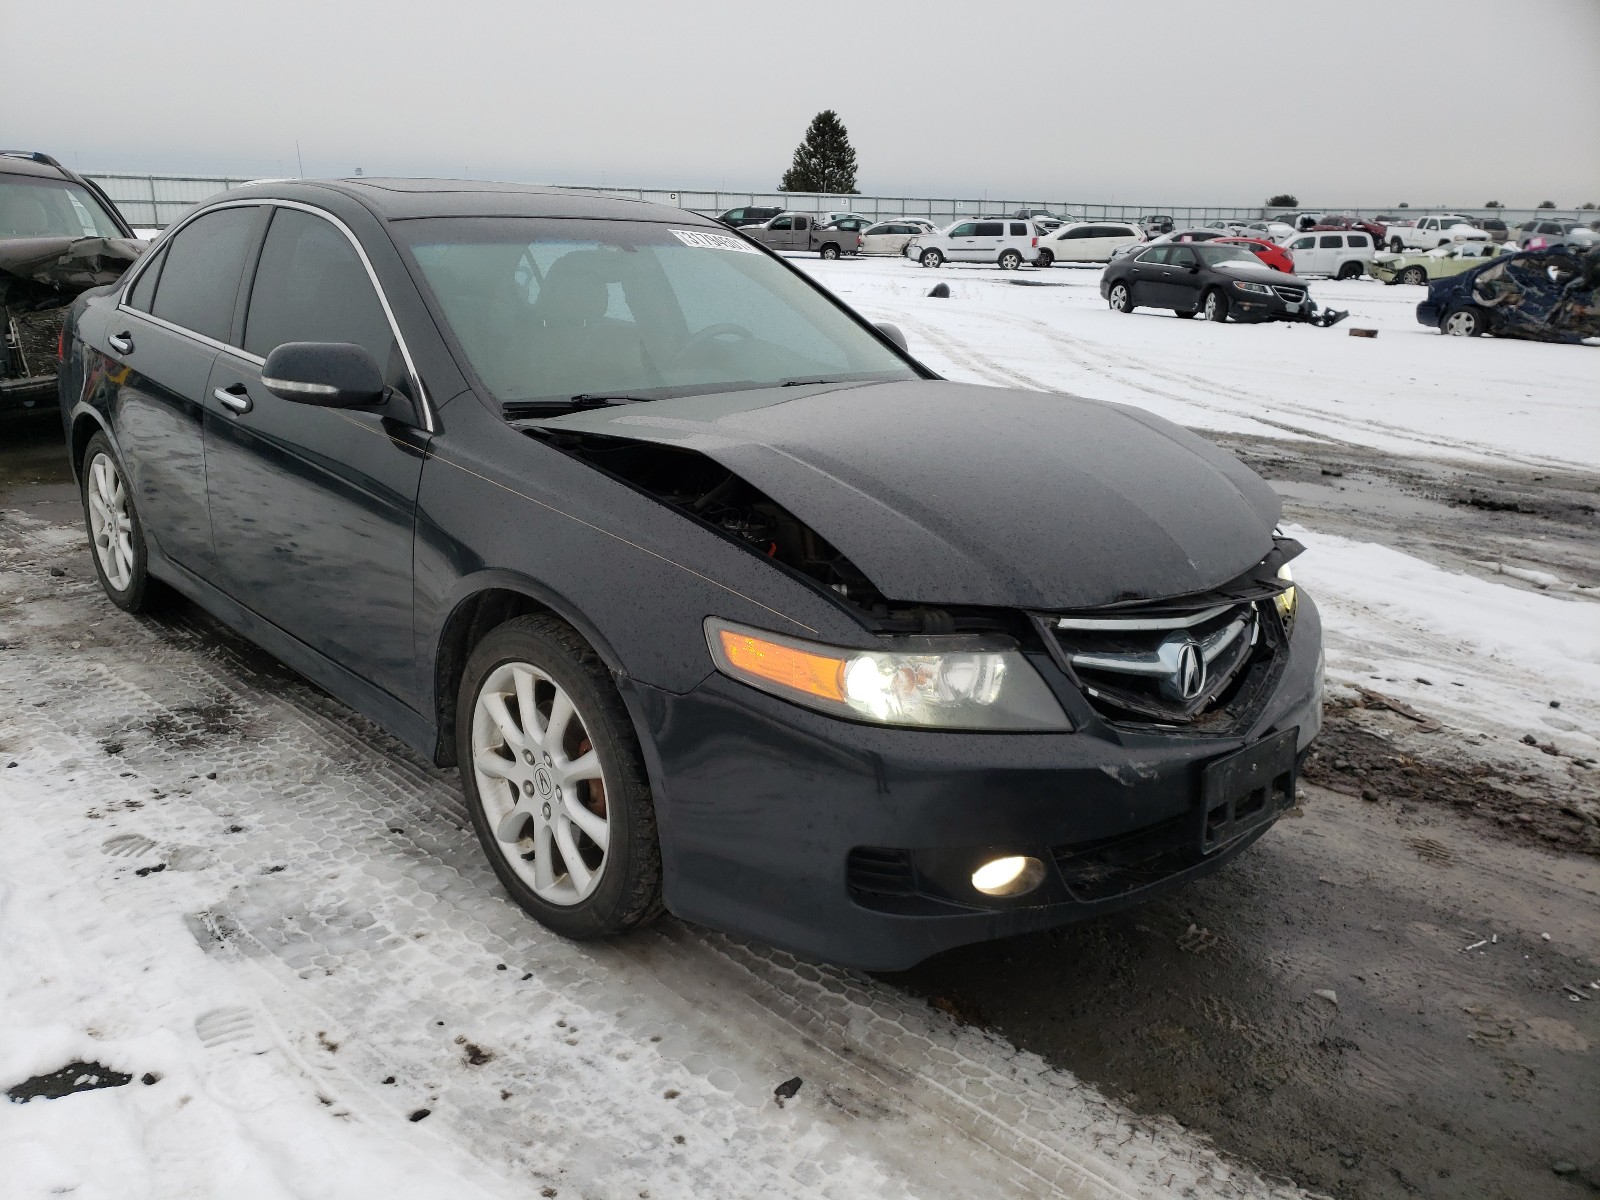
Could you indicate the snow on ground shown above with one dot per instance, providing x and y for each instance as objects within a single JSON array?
[
  {"x": 1409, "y": 391},
  {"x": 1391, "y": 617},
  {"x": 211, "y": 872}
]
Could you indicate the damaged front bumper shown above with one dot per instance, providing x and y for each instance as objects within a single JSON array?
[{"x": 855, "y": 843}]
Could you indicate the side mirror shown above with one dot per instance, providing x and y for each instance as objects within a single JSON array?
[
  {"x": 1194, "y": 268},
  {"x": 328, "y": 374},
  {"x": 892, "y": 332}
]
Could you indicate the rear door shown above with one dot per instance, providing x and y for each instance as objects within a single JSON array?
[
  {"x": 313, "y": 508},
  {"x": 170, "y": 324}
]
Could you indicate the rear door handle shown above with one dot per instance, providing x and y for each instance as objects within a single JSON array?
[
  {"x": 236, "y": 399},
  {"x": 121, "y": 343}
]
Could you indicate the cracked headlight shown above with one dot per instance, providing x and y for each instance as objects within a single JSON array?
[
  {"x": 977, "y": 683},
  {"x": 1288, "y": 600},
  {"x": 1255, "y": 289}
]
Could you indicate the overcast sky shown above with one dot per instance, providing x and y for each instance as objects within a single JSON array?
[{"x": 1140, "y": 101}]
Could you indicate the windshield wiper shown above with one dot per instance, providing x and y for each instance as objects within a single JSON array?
[{"x": 601, "y": 399}]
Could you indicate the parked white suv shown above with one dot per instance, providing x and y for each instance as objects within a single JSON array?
[
  {"x": 1006, "y": 241},
  {"x": 1085, "y": 242},
  {"x": 1343, "y": 254}
]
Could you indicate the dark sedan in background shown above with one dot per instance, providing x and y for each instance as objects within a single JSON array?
[
  {"x": 720, "y": 601},
  {"x": 1219, "y": 280}
]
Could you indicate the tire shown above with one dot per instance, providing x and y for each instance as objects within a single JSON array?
[
  {"x": 1349, "y": 270},
  {"x": 1009, "y": 260},
  {"x": 829, "y": 252},
  {"x": 1185, "y": 315},
  {"x": 1466, "y": 321},
  {"x": 618, "y": 887},
  {"x": 116, "y": 535},
  {"x": 1412, "y": 275},
  {"x": 1045, "y": 259},
  {"x": 1215, "y": 306},
  {"x": 1121, "y": 299},
  {"x": 1397, "y": 245},
  {"x": 932, "y": 258}
]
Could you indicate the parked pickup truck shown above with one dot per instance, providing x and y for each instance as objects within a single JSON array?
[
  {"x": 805, "y": 231},
  {"x": 1429, "y": 232}
]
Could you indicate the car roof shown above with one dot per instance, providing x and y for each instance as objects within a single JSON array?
[
  {"x": 20, "y": 162},
  {"x": 410, "y": 199}
]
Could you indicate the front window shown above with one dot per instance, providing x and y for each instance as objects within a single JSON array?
[
  {"x": 546, "y": 310},
  {"x": 51, "y": 208}
]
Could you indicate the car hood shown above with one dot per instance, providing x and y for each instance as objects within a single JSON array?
[
  {"x": 950, "y": 493},
  {"x": 1259, "y": 272}
]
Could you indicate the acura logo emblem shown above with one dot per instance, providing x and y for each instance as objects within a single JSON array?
[{"x": 1189, "y": 675}]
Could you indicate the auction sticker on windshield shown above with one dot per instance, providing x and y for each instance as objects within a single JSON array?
[{"x": 712, "y": 241}]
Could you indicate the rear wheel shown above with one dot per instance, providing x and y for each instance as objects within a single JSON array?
[
  {"x": 1120, "y": 299},
  {"x": 830, "y": 251},
  {"x": 120, "y": 558},
  {"x": 1215, "y": 306},
  {"x": 554, "y": 781},
  {"x": 1412, "y": 275},
  {"x": 932, "y": 258},
  {"x": 1349, "y": 270},
  {"x": 1464, "y": 322},
  {"x": 1397, "y": 245},
  {"x": 1010, "y": 260}
]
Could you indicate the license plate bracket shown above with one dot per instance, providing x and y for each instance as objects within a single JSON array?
[{"x": 1246, "y": 789}]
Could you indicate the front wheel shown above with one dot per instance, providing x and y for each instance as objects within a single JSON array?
[
  {"x": 1464, "y": 322},
  {"x": 1216, "y": 306},
  {"x": 1010, "y": 260},
  {"x": 554, "y": 781},
  {"x": 120, "y": 557},
  {"x": 932, "y": 258},
  {"x": 830, "y": 252},
  {"x": 1120, "y": 299},
  {"x": 1412, "y": 275},
  {"x": 1045, "y": 259}
]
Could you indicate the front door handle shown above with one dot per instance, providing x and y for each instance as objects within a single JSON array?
[
  {"x": 121, "y": 343},
  {"x": 235, "y": 398}
]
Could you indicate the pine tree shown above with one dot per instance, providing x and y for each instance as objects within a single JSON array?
[{"x": 824, "y": 161}]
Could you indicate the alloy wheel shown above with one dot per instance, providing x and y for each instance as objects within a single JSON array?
[
  {"x": 1211, "y": 307},
  {"x": 1119, "y": 297},
  {"x": 541, "y": 783},
  {"x": 1461, "y": 324},
  {"x": 110, "y": 521}
]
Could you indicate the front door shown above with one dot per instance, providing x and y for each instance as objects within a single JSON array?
[
  {"x": 963, "y": 242},
  {"x": 313, "y": 509},
  {"x": 1147, "y": 274},
  {"x": 1304, "y": 252},
  {"x": 1181, "y": 283},
  {"x": 165, "y": 335}
]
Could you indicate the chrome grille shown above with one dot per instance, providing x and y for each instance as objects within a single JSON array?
[
  {"x": 1293, "y": 295},
  {"x": 1165, "y": 667}
]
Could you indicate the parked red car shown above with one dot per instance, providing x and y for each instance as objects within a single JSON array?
[
  {"x": 1274, "y": 255},
  {"x": 1345, "y": 221}
]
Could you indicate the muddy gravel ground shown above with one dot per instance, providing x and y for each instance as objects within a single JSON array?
[{"x": 1397, "y": 991}]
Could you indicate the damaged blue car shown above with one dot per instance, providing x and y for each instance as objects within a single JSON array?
[{"x": 1545, "y": 295}]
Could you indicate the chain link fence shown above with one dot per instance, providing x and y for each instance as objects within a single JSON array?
[{"x": 155, "y": 201}]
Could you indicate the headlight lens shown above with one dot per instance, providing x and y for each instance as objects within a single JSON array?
[
  {"x": 926, "y": 683},
  {"x": 1288, "y": 600},
  {"x": 1259, "y": 289}
]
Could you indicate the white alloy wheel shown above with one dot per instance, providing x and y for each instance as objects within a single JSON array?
[
  {"x": 541, "y": 783},
  {"x": 110, "y": 521},
  {"x": 1119, "y": 297},
  {"x": 1461, "y": 323},
  {"x": 1212, "y": 307}
]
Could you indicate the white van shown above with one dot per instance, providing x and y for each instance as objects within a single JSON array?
[
  {"x": 1343, "y": 254},
  {"x": 1085, "y": 242},
  {"x": 1006, "y": 241}
]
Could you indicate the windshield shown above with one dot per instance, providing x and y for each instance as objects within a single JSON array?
[
  {"x": 1211, "y": 253},
  {"x": 557, "y": 309},
  {"x": 51, "y": 208}
]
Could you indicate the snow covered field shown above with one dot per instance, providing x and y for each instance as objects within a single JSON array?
[{"x": 213, "y": 877}]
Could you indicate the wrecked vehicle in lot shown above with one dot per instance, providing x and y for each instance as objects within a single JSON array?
[
  {"x": 1438, "y": 263},
  {"x": 719, "y": 599},
  {"x": 1539, "y": 295},
  {"x": 59, "y": 236},
  {"x": 1217, "y": 279}
]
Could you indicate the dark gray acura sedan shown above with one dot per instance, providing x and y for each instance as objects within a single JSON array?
[{"x": 721, "y": 601}]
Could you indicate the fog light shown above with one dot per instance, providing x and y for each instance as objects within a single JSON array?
[{"x": 1009, "y": 876}]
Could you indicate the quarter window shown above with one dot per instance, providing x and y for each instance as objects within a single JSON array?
[
  {"x": 1018, "y": 229},
  {"x": 1359, "y": 241},
  {"x": 312, "y": 287},
  {"x": 200, "y": 278},
  {"x": 145, "y": 286}
]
